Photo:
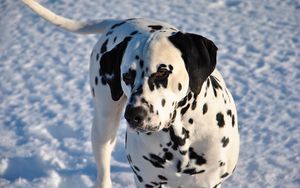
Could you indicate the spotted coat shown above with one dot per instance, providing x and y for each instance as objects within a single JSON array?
[
  {"x": 182, "y": 122},
  {"x": 189, "y": 137}
]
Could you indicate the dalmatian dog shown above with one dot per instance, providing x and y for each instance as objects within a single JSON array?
[{"x": 182, "y": 122}]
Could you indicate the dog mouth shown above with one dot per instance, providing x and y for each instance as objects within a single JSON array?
[
  {"x": 148, "y": 128},
  {"x": 168, "y": 125},
  {"x": 144, "y": 129}
]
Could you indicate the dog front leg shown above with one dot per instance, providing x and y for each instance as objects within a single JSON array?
[{"x": 104, "y": 130}]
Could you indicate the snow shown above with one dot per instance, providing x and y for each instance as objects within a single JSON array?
[{"x": 46, "y": 106}]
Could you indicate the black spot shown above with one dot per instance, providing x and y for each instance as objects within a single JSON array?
[
  {"x": 161, "y": 66},
  {"x": 133, "y": 33},
  {"x": 217, "y": 185},
  {"x": 129, "y": 77},
  {"x": 178, "y": 166},
  {"x": 183, "y": 110},
  {"x": 182, "y": 152},
  {"x": 142, "y": 75},
  {"x": 115, "y": 39},
  {"x": 129, "y": 159},
  {"x": 110, "y": 63},
  {"x": 149, "y": 186},
  {"x": 215, "y": 84},
  {"x": 168, "y": 156},
  {"x": 141, "y": 63},
  {"x": 103, "y": 81},
  {"x": 163, "y": 102},
  {"x": 221, "y": 164},
  {"x": 178, "y": 141},
  {"x": 109, "y": 33},
  {"x": 104, "y": 46},
  {"x": 155, "y": 27},
  {"x": 220, "y": 120},
  {"x": 179, "y": 86},
  {"x": 169, "y": 143},
  {"x": 189, "y": 171},
  {"x": 225, "y": 141},
  {"x": 151, "y": 108},
  {"x": 224, "y": 98},
  {"x": 191, "y": 121},
  {"x": 225, "y": 175},
  {"x": 118, "y": 25},
  {"x": 97, "y": 57},
  {"x": 155, "y": 160},
  {"x": 190, "y": 95},
  {"x": 159, "y": 79},
  {"x": 135, "y": 169},
  {"x": 143, "y": 100},
  {"x": 233, "y": 120},
  {"x": 229, "y": 113},
  {"x": 170, "y": 67},
  {"x": 93, "y": 92},
  {"x": 137, "y": 57},
  {"x": 96, "y": 80},
  {"x": 139, "y": 178},
  {"x": 173, "y": 116},
  {"x": 192, "y": 171},
  {"x": 194, "y": 104},
  {"x": 207, "y": 83},
  {"x": 162, "y": 177},
  {"x": 182, "y": 102},
  {"x": 200, "y": 160},
  {"x": 204, "y": 109},
  {"x": 185, "y": 132}
]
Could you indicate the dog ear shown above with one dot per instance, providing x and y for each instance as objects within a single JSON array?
[
  {"x": 110, "y": 70},
  {"x": 199, "y": 55}
]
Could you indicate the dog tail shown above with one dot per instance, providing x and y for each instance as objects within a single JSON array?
[{"x": 89, "y": 27}]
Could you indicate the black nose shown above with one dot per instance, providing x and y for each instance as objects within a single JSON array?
[{"x": 135, "y": 115}]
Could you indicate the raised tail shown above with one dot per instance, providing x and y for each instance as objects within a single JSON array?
[{"x": 89, "y": 27}]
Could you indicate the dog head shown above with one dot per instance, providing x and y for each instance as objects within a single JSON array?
[{"x": 157, "y": 72}]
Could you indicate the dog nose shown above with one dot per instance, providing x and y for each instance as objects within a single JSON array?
[{"x": 135, "y": 115}]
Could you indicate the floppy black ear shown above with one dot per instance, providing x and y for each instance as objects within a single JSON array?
[
  {"x": 199, "y": 55},
  {"x": 110, "y": 64}
]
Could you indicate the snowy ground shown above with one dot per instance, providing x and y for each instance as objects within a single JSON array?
[{"x": 45, "y": 102}]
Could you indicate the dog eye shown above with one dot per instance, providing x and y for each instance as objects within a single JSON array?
[
  {"x": 161, "y": 74},
  {"x": 129, "y": 77}
]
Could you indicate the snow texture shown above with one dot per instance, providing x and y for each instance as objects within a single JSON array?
[{"x": 46, "y": 106}]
